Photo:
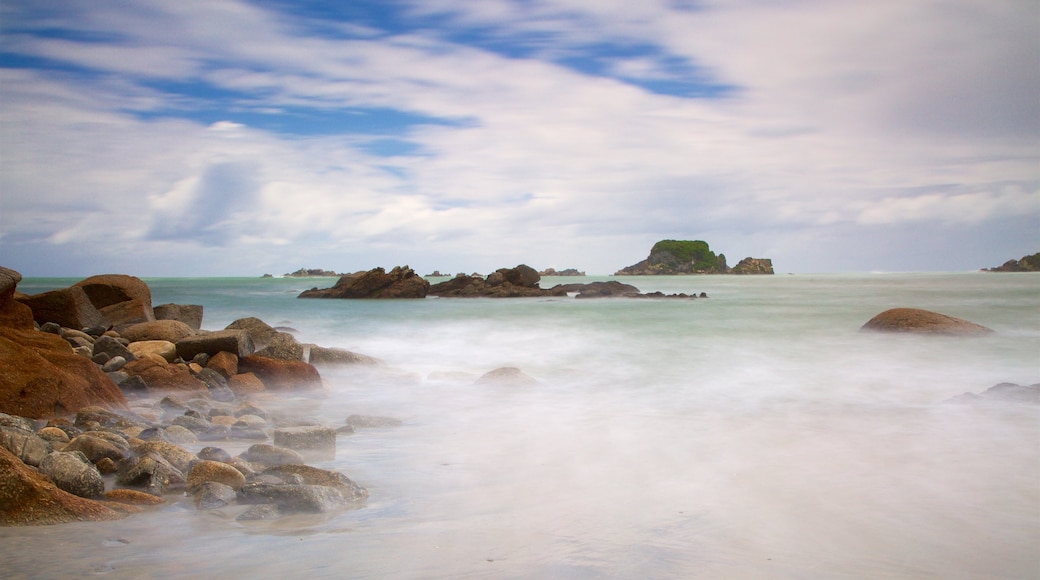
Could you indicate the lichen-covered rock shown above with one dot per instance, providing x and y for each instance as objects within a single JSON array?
[
  {"x": 282, "y": 346},
  {"x": 920, "y": 321},
  {"x": 225, "y": 363},
  {"x": 132, "y": 497},
  {"x": 163, "y": 376},
  {"x": 148, "y": 348},
  {"x": 13, "y": 314},
  {"x": 24, "y": 444},
  {"x": 95, "y": 448},
  {"x": 28, "y": 497},
  {"x": 204, "y": 471},
  {"x": 71, "y": 471},
  {"x": 178, "y": 456}
]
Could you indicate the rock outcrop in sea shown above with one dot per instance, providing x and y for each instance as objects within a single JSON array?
[
  {"x": 919, "y": 321},
  {"x": 401, "y": 282},
  {"x": 679, "y": 257},
  {"x": 1024, "y": 264}
]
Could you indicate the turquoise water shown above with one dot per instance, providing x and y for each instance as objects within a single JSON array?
[{"x": 753, "y": 434}]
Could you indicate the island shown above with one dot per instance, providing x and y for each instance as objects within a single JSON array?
[
  {"x": 679, "y": 257},
  {"x": 1025, "y": 264}
]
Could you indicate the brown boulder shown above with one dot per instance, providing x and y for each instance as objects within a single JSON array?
[
  {"x": 225, "y": 363},
  {"x": 401, "y": 282},
  {"x": 277, "y": 374},
  {"x": 203, "y": 471},
  {"x": 13, "y": 314},
  {"x": 30, "y": 498},
  {"x": 234, "y": 341},
  {"x": 43, "y": 377},
  {"x": 151, "y": 348},
  {"x": 164, "y": 377},
  {"x": 127, "y": 313},
  {"x": 69, "y": 307},
  {"x": 168, "y": 330},
  {"x": 190, "y": 314},
  {"x": 923, "y": 322},
  {"x": 109, "y": 289},
  {"x": 245, "y": 383}
]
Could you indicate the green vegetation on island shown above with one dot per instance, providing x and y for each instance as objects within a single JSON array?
[{"x": 673, "y": 257}]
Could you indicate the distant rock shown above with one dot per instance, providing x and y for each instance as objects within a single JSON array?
[
  {"x": 401, "y": 282},
  {"x": 610, "y": 288},
  {"x": 564, "y": 272},
  {"x": 308, "y": 273},
  {"x": 923, "y": 322},
  {"x": 1002, "y": 393},
  {"x": 507, "y": 376},
  {"x": 521, "y": 281},
  {"x": 1025, "y": 264},
  {"x": 678, "y": 257}
]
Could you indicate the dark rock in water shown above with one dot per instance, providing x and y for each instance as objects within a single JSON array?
[
  {"x": 113, "y": 348},
  {"x": 210, "y": 343},
  {"x": 507, "y": 376},
  {"x": 28, "y": 497},
  {"x": 366, "y": 421},
  {"x": 150, "y": 471},
  {"x": 350, "y": 489},
  {"x": 611, "y": 288},
  {"x": 676, "y": 257},
  {"x": 212, "y": 495},
  {"x": 51, "y": 328},
  {"x": 94, "y": 448},
  {"x": 24, "y": 444},
  {"x": 753, "y": 266},
  {"x": 401, "y": 282},
  {"x": 259, "y": 512},
  {"x": 305, "y": 438},
  {"x": 521, "y": 281},
  {"x": 71, "y": 471},
  {"x": 1025, "y": 264},
  {"x": 293, "y": 498},
  {"x": 1003, "y": 393},
  {"x": 923, "y": 322},
  {"x": 264, "y": 454},
  {"x": 190, "y": 314}
]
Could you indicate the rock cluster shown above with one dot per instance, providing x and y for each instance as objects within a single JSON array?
[
  {"x": 401, "y": 282},
  {"x": 1025, "y": 264},
  {"x": 680, "y": 257},
  {"x": 564, "y": 272}
]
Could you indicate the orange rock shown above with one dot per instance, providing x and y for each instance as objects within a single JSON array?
[
  {"x": 29, "y": 498},
  {"x": 278, "y": 374},
  {"x": 923, "y": 322},
  {"x": 245, "y": 383},
  {"x": 133, "y": 497},
  {"x": 225, "y": 363},
  {"x": 164, "y": 377}
]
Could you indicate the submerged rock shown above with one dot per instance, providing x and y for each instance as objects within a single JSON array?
[
  {"x": 293, "y": 497},
  {"x": 507, "y": 376}
]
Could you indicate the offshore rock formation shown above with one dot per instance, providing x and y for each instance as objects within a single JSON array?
[
  {"x": 564, "y": 272},
  {"x": 678, "y": 257},
  {"x": 923, "y": 322},
  {"x": 502, "y": 283},
  {"x": 1025, "y": 264},
  {"x": 401, "y": 282}
]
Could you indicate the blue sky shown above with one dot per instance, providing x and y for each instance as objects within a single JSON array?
[{"x": 229, "y": 137}]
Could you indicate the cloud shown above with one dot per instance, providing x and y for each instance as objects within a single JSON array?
[{"x": 516, "y": 130}]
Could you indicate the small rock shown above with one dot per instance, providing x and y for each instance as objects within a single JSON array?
[
  {"x": 259, "y": 512},
  {"x": 74, "y": 473},
  {"x": 207, "y": 471},
  {"x": 212, "y": 495},
  {"x": 264, "y": 454}
]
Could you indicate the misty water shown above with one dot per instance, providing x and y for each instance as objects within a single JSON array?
[{"x": 754, "y": 434}]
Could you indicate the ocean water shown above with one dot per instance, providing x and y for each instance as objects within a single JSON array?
[{"x": 754, "y": 434}]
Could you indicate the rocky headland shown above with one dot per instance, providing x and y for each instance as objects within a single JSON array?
[
  {"x": 519, "y": 282},
  {"x": 1023, "y": 264},
  {"x": 680, "y": 257}
]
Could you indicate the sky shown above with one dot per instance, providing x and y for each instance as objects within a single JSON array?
[{"x": 236, "y": 137}]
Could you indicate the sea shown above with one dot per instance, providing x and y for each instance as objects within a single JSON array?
[{"x": 755, "y": 433}]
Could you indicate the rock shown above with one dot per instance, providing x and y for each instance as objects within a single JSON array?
[
  {"x": 753, "y": 266},
  {"x": 52, "y": 435},
  {"x": 245, "y": 384},
  {"x": 401, "y": 282},
  {"x": 68, "y": 307},
  {"x": 225, "y": 363},
  {"x": 213, "y": 495},
  {"x": 94, "y": 448},
  {"x": 190, "y": 314},
  {"x": 352, "y": 492},
  {"x": 71, "y": 471},
  {"x": 259, "y": 331},
  {"x": 24, "y": 444},
  {"x": 264, "y": 454},
  {"x": 13, "y": 314},
  {"x": 112, "y": 347},
  {"x": 259, "y": 512},
  {"x": 132, "y": 497},
  {"x": 43, "y": 377},
  {"x": 147, "y": 348},
  {"x": 305, "y": 438},
  {"x": 1003, "y": 393},
  {"x": 179, "y": 435},
  {"x": 521, "y": 281},
  {"x": 217, "y": 384},
  {"x": 233, "y": 341},
  {"x": 214, "y": 454},
  {"x": 279, "y": 374},
  {"x": 167, "y": 330},
  {"x": 122, "y": 299},
  {"x": 507, "y": 376},
  {"x": 193, "y": 423},
  {"x": 610, "y": 288},
  {"x": 151, "y": 471},
  {"x": 1025, "y": 264},
  {"x": 216, "y": 433},
  {"x": 128, "y": 313},
  {"x": 321, "y": 356},
  {"x": 176, "y": 455},
  {"x": 367, "y": 421},
  {"x": 293, "y": 498},
  {"x": 113, "y": 364},
  {"x": 163, "y": 376},
  {"x": 282, "y": 346},
  {"x": 214, "y": 471},
  {"x": 923, "y": 322},
  {"x": 564, "y": 272},
  {"x": 28, "y": 497}
]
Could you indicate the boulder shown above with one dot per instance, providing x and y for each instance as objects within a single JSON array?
[
  {"x": 125, "y": 314},
  {"x": 401, "y": 282},
  {"x": 28, "y": 497},
  {"x": 71, "y": 471},
  {"x": 132, "y": 497},
  {"x": 149, "y": 348},
  {"x": 168, "y": 330},
  {"x": 225, "y": 363},
  {"x": 315, "y": 476},
  {"x": 279, "y": 374},
  {"x": 507, "y": 376},
  {"x": 259, "y": 331},
  {"x": 305, "y": 438},
  {"x": 176, "y": 455},
  {"x": 753, "y": 266},
  {"x": 293, "y": 497},
  {"x": 919, "y": 321},
  {"x": 189, "y": 314},
  {"x": 110, "y": 289},
  {"x": 321, "y": 356},
  {"x": 68, "y": 307},
  {"x": 210, "y": 495},
  {"x": 246, "y": 383},
  {"x": 13, "y": 314},
  {"x": 237, "y": 342},
  {"x": 214, "y": 471},
  {"x": 111, "y": 347},
  {"x": 24, "y": 444},
  {"x": 282, "y": 346},
  {"x": 264, "y": 454},
  {"x": 163, "y": 376},
  {"x": 95, "y": 448},
  {"x": 43, "y": 377},
  {"x": 151, "y": 471}
]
